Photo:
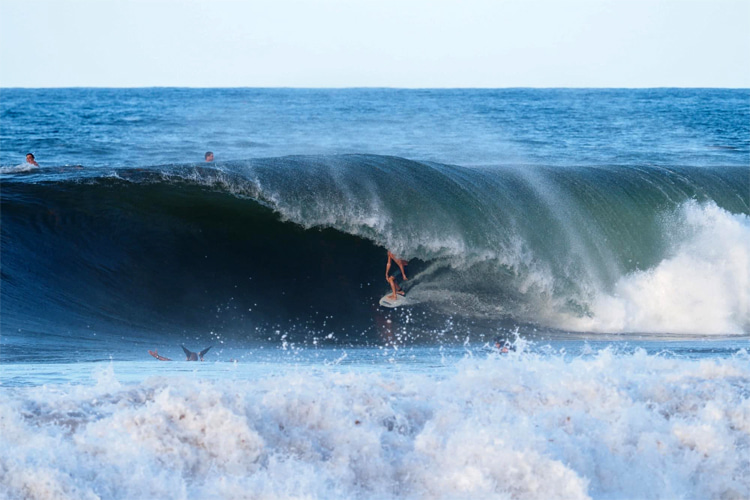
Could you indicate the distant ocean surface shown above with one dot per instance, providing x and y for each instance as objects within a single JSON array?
[{"x": 603, "y": 235}]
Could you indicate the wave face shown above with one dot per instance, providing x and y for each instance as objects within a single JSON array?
[{"x": 297, "y": 244}]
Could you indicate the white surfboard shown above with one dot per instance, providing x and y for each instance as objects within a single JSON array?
[{"x": 400, "y": 300}]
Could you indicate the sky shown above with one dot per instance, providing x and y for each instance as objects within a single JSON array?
[{"x": 375, "y": 43}]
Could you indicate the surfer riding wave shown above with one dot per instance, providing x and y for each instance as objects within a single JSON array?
[{"x": 395, "y": 288}]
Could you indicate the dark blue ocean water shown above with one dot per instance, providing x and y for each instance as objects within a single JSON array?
[{"x": 603, "y": 234}]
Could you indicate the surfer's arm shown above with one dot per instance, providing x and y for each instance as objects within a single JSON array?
[
  {"x": 156, "y": 354},
  {"x": 388, "y": 267},
  {"x": 204, "y": 351}
]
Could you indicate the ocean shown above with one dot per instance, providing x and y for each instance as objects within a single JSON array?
[{"x": 601, "y": 235}]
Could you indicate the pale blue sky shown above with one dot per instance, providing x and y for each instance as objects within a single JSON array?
[{"x": 375, "y": 43}]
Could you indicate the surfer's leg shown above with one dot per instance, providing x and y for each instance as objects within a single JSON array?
[
  {"x": 399, "y": 290},
  {"x": 401, "y": 264},
  {"x": 394, "y": 288}
]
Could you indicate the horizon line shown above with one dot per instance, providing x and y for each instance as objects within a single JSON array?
[{"x": 375, "y": 87}]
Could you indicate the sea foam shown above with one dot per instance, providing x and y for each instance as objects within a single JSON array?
[
  {"x": 23, "y": 167},
  {"x": 522, "y": 426},
  {"x": 701, "y": 287}
]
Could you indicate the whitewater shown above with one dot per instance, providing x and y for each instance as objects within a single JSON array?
[
  {"x": 601, "y": 236},
  {"x": 604, "y": 424}
]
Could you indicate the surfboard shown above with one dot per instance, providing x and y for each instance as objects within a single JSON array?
[{"x": 400, "y": 300}]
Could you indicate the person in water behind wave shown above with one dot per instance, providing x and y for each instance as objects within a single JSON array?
[
  {"x": 193, "y": 356},
  {"x": 189, "y": 355},
  {"x": 401, "y": 263},
  {"x": 30, "y": 159}
]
